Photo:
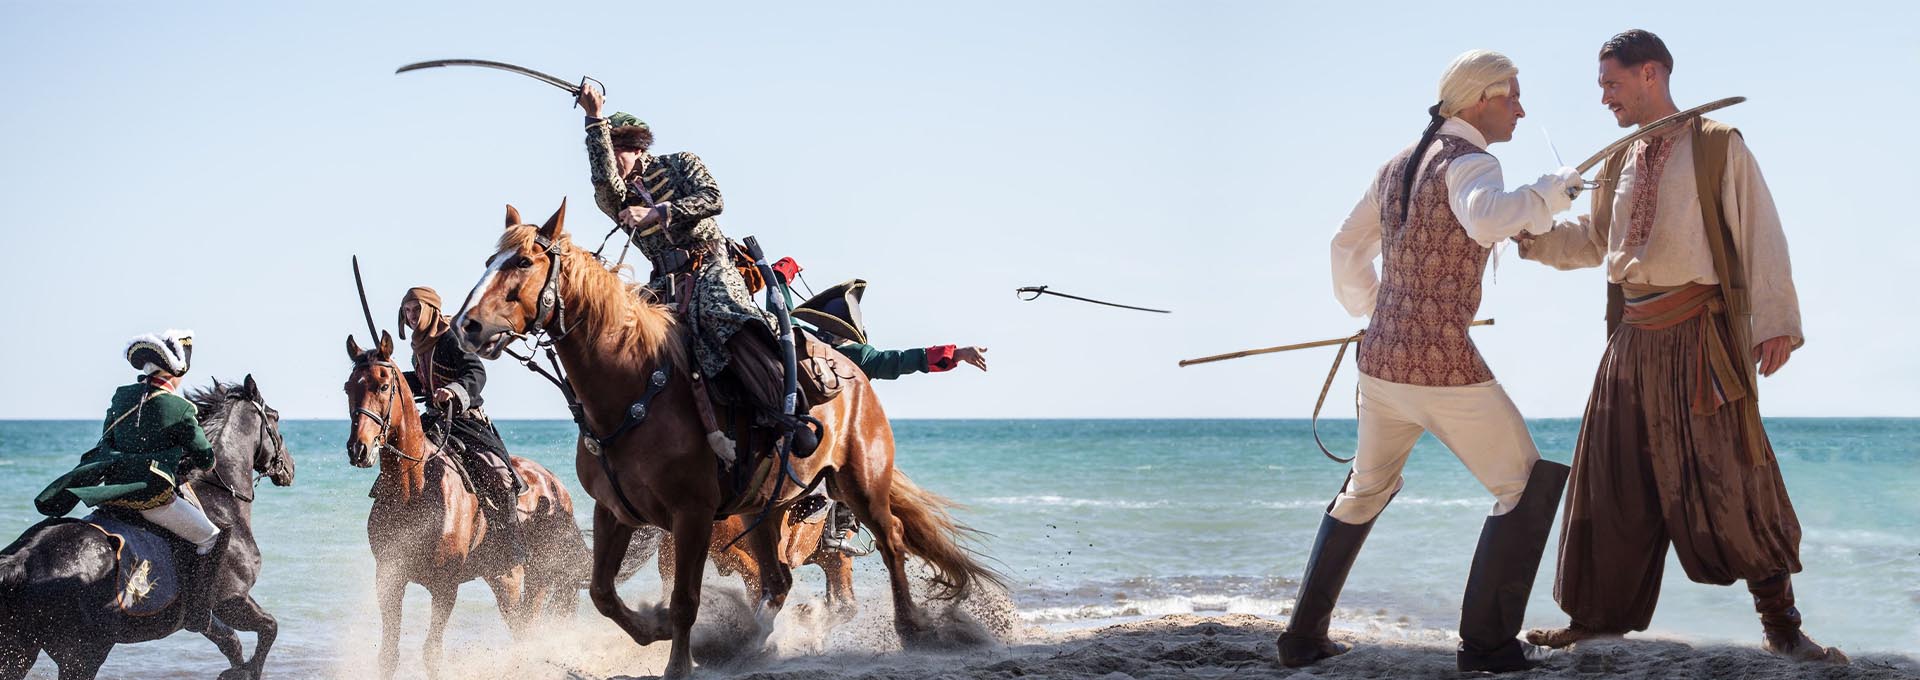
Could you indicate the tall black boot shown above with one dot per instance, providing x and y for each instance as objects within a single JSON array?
[
  {"x": 505, "y": 518},
  {"x": 1334, "y": 549},
  {"x": 1504, "y": 566},
  {"x": 196, "y": 593}
]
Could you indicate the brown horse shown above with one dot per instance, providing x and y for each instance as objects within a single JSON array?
[
  {"x": 427, "y": 528},
  {"x": 613, "y": 344}
]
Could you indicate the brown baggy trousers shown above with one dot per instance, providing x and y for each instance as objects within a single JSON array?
[{"x": 1647, "y": 471}]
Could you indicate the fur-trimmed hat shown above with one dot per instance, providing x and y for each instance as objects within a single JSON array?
[
  {"x": 629, "y": 132},
  {"x": 170, "y": 351},
  {"x": 836, "y": 310}
]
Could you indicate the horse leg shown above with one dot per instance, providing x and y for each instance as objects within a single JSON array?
[
  {"x": 82, "y": 660},
  {"x": 16, "y": 658},
  {"x": 839, "y": 570},
  {"x": 443, "y": 599},
  {"x": 873, "y": 507},
  {"x": 610, "y": 539},
  {"x": 691, "y": 534},
  {"x": 776, "y": 579},
  {"x": 223, "y": 637},
  {"x": 509, "y": 592},
  {"x": 391, "y": 589},
  {"x": 245, "y": 614}
]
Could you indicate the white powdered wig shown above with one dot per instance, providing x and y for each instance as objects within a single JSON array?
[{"x": 1473, "y": 76}]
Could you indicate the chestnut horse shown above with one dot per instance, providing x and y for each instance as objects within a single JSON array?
[
  {"x": 427, "y": 528},
  {"x": 613, "y": 344}
]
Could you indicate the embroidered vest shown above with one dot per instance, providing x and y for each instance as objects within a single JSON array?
[{"x": 1430, "y": 273}]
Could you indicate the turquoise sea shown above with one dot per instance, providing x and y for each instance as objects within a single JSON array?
[{"x": 1097, "y": 521}]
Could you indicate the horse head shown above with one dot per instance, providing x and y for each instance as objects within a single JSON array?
[
  {"x": 270, "y": 455},
  {"x": 519, "y": 293},
  {"x": 377, "y": 392}
]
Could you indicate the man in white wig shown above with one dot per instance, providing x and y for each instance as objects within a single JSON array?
[
  {"x": 151, "y": 438},
  {"x": 1432, "y": 215}
]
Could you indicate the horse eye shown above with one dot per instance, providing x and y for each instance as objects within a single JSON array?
[{"x": 524, "y": 262}]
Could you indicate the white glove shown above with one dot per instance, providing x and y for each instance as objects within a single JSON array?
[{"x": 1557, "y": 189}]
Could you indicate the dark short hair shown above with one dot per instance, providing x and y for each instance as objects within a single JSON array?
[
  {"x": 1636, "y": 47},
  {"x": 632, "y": 138}
]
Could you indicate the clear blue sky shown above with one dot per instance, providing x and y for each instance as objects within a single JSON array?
[{"x": 213, "y": 166}]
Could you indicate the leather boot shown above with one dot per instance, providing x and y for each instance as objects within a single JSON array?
[
  {"x": 1780, "y": 623},
  {"x": 1334, "y": 549},
  {"x": 1504, "y": 566},
  {"x": 505, "y": 518},
  {"x": 196, "y": 591}
]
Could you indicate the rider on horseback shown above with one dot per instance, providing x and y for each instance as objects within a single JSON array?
[
  {"x": 450, "y": 379},
  {"x": 834, "y": 316},
  {"x": 667, "y": 206},
  {"x": 152, "y": 437}
]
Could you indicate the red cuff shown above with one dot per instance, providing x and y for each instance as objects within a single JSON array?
[
  {"x": 940, "y": 358},
  {"x": 787, "y": 268}
]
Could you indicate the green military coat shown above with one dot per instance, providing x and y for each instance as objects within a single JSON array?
[
  {"x": 881, "y": 364},
  {"x": 139, "y": 459}
]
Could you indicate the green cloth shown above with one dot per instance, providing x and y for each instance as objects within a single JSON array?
[
  {"x": 139, "y": 459},
  {"x": 884, "y": 364},
  {"x": 624, "y": 119}
]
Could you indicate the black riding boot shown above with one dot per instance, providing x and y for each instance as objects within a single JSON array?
[
  {"x": 196, "y": 591},
  {"x": 504, "y": 517},
  {"x": 1334, "y": 549},
  {"x": 1503, "y": 569},
  {"x": 756, "y": 364}
]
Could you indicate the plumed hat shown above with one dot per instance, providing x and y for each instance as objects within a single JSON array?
[
  {"x": 170, "y": 351},
  {"x": 836, "y": 310}
]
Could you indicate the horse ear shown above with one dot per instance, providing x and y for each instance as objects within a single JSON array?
[
  {"x": 353, "y": 348},
  {"x": 386, "y": 345},
  {"x": 252, "y": 388},
  {"x": 513, "y": 217},
  {"x": 557, "y": 223}
]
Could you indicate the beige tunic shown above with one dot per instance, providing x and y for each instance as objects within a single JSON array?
[{"x": 1676, "y": 252}]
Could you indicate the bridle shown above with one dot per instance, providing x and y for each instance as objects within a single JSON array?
[
  {"x": 274, "y": 464},
  {"x": 384, "y": 420},
  {"x": 549, "y": 306}
]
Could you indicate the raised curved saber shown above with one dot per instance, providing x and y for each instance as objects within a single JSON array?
[
  {"x": 1037, "y": 291},
  {"x": 1656, "y": 126},
  {"x": 504, "y": 66}
]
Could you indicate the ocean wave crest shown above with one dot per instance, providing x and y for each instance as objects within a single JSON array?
[{"x": 1063, "y": 501}]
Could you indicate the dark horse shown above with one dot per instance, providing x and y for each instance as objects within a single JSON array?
[
  {"x": 614, "y": 346},
  {"x": 57, "y": 582}
]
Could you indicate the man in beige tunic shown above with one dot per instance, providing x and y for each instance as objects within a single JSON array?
[
  {"x": 1431, "y": 215},
  {"x": 1671, "y": 450}
]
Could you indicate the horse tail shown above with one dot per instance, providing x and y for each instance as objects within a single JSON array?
[{"x": 932, "y": 534}]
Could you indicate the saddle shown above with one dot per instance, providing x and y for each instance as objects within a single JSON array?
[{"x": 146, "y": 579}]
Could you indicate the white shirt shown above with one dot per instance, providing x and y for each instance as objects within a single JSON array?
[{"x": 1476, "y": 192}]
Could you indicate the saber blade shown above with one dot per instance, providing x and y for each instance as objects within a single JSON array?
[
  {"x": 372, "y": 334},
  {"x": 1673, "y": 120},
  {"x": 497, "y": 65}
]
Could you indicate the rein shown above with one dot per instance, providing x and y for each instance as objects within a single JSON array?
[
  {"x": 550, "y": 305},
  {"x": 277, "y": 462}
]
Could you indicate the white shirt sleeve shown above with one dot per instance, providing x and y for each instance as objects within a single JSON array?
[
  {"x": 1355, "y": 283},
  {"x": 1490, "y": 213},
  {"x": 1761, "y": 242}
]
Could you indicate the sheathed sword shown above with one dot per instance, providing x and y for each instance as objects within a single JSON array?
[
  {"x": 1671, "y": 121},
  {"x": 571, "y": 88}
]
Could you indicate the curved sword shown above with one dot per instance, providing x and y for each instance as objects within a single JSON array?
[
  {"x": 1656, "y": 126},
  {"x": 504, "y": 66}
]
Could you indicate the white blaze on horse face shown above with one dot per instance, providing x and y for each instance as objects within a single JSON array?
[{"x": 479, "y": 291}]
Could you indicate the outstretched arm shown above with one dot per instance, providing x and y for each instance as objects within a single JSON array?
[{"x": 609, "y": 190}]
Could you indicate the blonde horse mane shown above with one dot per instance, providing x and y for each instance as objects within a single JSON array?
[{"x": 606, "y": 307}]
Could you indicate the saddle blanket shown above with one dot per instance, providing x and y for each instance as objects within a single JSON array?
[{"x": 145, "y": 580}]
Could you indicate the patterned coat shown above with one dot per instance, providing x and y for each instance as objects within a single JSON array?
[
  {"x": 139, "y": 459},
  {"x": 720, "y": 304}
]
